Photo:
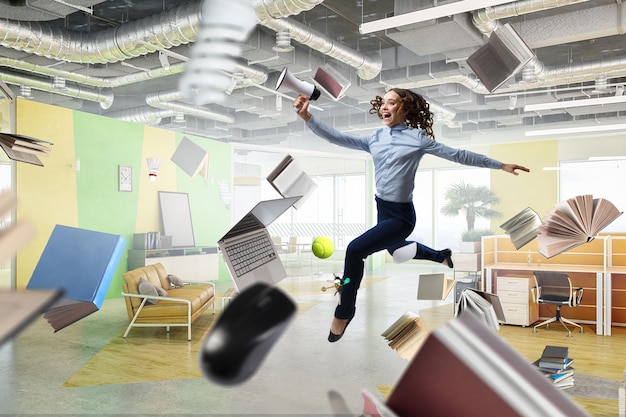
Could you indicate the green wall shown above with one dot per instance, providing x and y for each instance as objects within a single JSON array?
[{"x": 90, "y": 199}]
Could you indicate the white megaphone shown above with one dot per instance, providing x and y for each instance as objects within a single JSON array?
[{"x": 289, "y": 81}]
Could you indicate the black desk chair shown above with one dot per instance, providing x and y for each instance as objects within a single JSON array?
[{"x": 556, "y": 288}]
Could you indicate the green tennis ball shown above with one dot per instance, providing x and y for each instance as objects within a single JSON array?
[{"x": 322, "y": 247}]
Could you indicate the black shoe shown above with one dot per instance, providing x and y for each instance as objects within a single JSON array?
[
  {"x": 448, "y": 258},
  {"x": 332, "y": 337}
]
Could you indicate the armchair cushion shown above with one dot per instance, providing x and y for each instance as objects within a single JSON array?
[
  {"x": 175, "y": 280},
  {"x": 147, "y": 288}
]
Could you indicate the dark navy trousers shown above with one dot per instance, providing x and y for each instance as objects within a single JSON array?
[{"x": 395, "y": 223}]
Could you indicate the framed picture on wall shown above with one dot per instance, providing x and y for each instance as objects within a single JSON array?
[{"x": 176, "y": 218}]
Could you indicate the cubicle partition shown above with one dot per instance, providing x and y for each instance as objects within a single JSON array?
[{"x": 615, "y": 289}]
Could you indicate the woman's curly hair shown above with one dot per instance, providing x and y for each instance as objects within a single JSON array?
[{"x": 418, "y": 116}]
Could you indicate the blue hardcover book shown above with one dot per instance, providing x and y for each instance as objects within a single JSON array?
[{"x": 81, "y": 263}]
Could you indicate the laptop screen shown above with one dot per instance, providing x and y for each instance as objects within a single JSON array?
[
  {"x": 269, "y": 210},
  {"x": 262, "y": 215}
]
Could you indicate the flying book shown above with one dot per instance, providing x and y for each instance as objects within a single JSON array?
[
  {"x": 434, "y": 286},
  {"x": 19, "y": 307},
  {"x": 81, "y": 263},
  {"x": 191, "y": 158},
  {"x": 483, "y": 305},
  {"x": 465, "y": 369},
  {"x": 290, "y": 180},
  {"x": 503, "y": 56},
  {"x": 14, "y": 236},
  {"x": 332, "y": 82},
  {"x": 523, "y": 227},
  {"x": 406, "y": 334},
  {"x": 22, "y": 148},
  {"x": 574, "y": 222}
]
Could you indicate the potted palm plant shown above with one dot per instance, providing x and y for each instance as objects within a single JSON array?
[{"x": 473, "y": 202}]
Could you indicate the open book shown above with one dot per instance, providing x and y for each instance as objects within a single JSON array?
[
  {"x": 485, "y": 306},
  {"x": 407, "y": 334},
  {"x": 573, "y": 222},
  {"x": 290, "y": 180},
  {"x": 19, "y": 307},
  {"x": 332, "y": 82},
  {"x": 81, "y": 263},
  {"x": 24, "y": 148},
  {"x": 434, "y": 286},
  {"x": 523, "y": 227},
  {"x": 465, "y": 369}
]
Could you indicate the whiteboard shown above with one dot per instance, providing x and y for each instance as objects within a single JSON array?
[{"x": 176, "y": 218}]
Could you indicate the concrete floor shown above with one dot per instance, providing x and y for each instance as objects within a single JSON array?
[{"x": 303, "y": 374}]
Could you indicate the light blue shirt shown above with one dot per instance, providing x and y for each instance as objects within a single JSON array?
[{"x": 396, "y": 153}]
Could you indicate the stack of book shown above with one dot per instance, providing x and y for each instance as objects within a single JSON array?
[
  {"x": 556, "y": 365},
  {"x": 407, "y": 334}
]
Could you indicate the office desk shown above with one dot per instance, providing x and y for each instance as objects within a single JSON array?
[
  {"x": 602, "y": 322},
  {"x": 604, "y": 257}
]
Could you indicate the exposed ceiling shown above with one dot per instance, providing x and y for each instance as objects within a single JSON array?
[{"x": 125, "y": 58}]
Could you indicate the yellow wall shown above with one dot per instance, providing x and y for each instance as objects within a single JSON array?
[
  {"x": 161, "y": 145},
  {"x": 537, "y": 189},
  {"x": 52, "y": 195}
]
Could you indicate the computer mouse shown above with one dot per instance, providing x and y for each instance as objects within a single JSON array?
[{"x": 244, "y": 333}]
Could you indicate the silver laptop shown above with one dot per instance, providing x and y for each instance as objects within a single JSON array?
[{"x": 248, "y": 249}]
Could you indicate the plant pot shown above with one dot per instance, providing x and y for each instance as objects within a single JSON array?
[
  {"x": 466, "y": 261},
  {"x": 469, "y": 247}
]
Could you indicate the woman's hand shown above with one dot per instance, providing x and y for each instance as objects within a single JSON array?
[
  {"x": 511, "y": 168},
  {"x": 301, "y": 105}
]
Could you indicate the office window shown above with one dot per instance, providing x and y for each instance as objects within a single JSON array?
[
  {"x": 336, "y": 209},
  {"x": 424, "y": 209},
  {"x": 599, "y": 178},
  {"x": 448, "y": 230},
  {"x": 433, "y": 228}
]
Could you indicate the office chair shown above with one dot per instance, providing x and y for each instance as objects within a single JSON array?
[{"x": 556, "y": 288}]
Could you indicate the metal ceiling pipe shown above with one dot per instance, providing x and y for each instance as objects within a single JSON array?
[
  {"x": 254, "y": 75},
  {"x": 271, "y": 14},
  {"x": 130, "y": 40},
  {"x": 442, "y": 114},
  {"x": 166, "y": 100},
  {"x": 104, "y": 82},
  {"x": 267, "y": 9},
  {"x": 486, "y": 20},
  {"x": 166, "y": 30},
  {"x": 104, "y": 98},
  {"x": 142, "y": 115},
  {"x": 367, "y": 67},
  {"x": 551, "y": 76}
]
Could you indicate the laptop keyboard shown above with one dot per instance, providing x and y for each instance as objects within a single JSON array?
[{"x": 250, "y": 254}]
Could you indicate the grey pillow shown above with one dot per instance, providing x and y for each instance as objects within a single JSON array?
[
  {"x": 161, "y": 291},
  {"x": 175, "y": 281},
  {"x": 145, "y": 287}
]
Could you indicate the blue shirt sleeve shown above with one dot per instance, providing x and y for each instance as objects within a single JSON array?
[
  {"x": 332, "y": 135},
  {"x": 460, "y": 156}
]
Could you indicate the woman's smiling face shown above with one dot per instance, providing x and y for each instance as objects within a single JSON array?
[{"x": 391, "y": 109}]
